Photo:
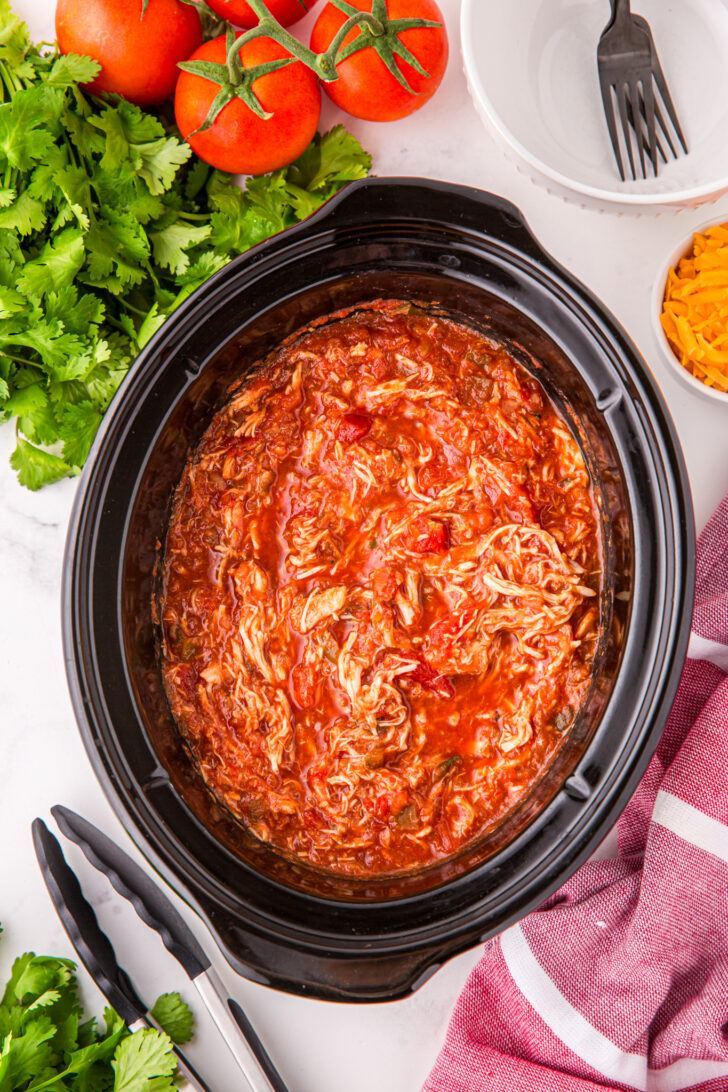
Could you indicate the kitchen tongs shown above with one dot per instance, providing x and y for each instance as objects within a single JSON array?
[
  {"x": 93, "y": 947},
  {"x": 157, "y": 911}
]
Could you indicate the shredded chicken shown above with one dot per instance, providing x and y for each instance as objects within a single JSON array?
[{"x": 381, "y": 591}]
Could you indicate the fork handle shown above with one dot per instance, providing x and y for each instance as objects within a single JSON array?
[{"x": 620, "y": 11}]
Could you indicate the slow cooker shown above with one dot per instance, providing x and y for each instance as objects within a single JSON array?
[{"x": 470, "y": 255}]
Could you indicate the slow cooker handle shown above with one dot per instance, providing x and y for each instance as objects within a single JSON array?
[
  {"x": 425, "y": 200},
  {"x": 321, "y": 971}
]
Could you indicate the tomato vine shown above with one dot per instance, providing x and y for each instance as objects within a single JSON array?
[{"x": 376, "y": 31}]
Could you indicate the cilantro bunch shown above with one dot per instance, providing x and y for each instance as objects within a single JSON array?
[
  {"x": 107, "y": 222},
  {"x": 46, "y": 1046}
]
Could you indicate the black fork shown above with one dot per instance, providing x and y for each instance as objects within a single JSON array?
[{"x": 634, "y": 88}]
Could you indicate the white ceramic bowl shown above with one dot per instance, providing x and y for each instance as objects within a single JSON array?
[
  {"x": 531, "y": 69},
  {"x": 658, "y": 294}
]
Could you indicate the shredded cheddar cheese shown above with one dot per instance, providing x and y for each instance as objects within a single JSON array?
[{"x": 695, "y": 310}]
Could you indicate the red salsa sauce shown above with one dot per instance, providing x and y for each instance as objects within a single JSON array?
[{"x": 380, "y": 591}]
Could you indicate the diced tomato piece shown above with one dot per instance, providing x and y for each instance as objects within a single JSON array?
[
  {"x": 428, "y": 536},
  {"x": 353, "y": 427},
  {"x": 384, "y": 584},
  {"x": 303, "y": 685},
  {"x": 432, "y": 475},
  {"x": 441, "y": 635},
  {"x": 398, "y": 800},
  {"x": 426, "y": 676},
  {"x": 382, "y": 807}
]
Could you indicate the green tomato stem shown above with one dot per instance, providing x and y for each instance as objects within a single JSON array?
[
  {"x": 267, "y": 27},
  {"x": 326, "y": 62},
  {"x": 323, "y": 64}
]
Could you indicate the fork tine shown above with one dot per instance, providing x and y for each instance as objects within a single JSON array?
[
  {"x": 658, "y": 145},
  {"x": 608, "y": 103},
  {"x": 626, "y": 130},
  {"x": 637, "y": 115},
  {"x": 665, "y": 130},
  {"x": 664, "y": 91},
  {"x": 648, "y": 100}
]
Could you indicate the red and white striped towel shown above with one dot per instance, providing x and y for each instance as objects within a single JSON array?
[{"x": 620, "y": 979}]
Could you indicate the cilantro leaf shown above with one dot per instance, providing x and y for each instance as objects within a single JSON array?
[
  {"x": 174, "y": 1017},
  {"x": 77, "y": 311},
  {"x": 70, "y": 69},
  {"x": 48, "y": 339},
  {"x": 135, "y": 137},
  {"x": 36, "y": 419},
  {"x": 56, "y": 266},
  {"x": 236, "y": 234},
  {"x": 125, "y": 124},
  {"x": 23, "y": 215},
  {"x": 30, "y": 1052},
  {"x": 267, "y": 195},
  {"x": 14, "y": 40},
  {"x": 197, "y": 176},
  {"x": 102, "y": 382},
  {"x": 329, "y": 161},
  {"x": 159, "y": 160},
  {"x": 23, "y": 140},
  {"x": 143, "y": 1062},
  {"x": 78, "y": 424},
  {"x": 170, "y": 244},
  {"x": 11, "y": 301},
  {"x": 117, "y": 244},
  {"x": 36, "y": 467}
]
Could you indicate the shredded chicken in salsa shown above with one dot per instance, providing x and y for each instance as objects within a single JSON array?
[{"x": 380, "y": 591}]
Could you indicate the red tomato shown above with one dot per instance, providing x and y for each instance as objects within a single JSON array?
[
  {"x": 428, "y": 536},
  {"x": 241, "y": 14},
  {"x": 240, "y": 142},
  {"x": 365, "y": 87},
  {"x": 353, "y": 426},
  {"x": 138, "y": 56}
]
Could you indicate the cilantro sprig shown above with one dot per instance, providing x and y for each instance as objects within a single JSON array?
[
  {"x": 47, "y": 1046},
  {"x": 107, "y": 222},
  {"x": 174, "y": 1017}
]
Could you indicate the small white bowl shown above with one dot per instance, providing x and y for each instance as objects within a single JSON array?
[
  {"x": 658, "y": 294},
  {"x": 532, "y": 73}
]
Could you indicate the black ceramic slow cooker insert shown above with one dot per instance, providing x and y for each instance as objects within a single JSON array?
[{"x": 469, "y": 255}]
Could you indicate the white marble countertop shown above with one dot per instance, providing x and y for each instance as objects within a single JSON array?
[{"x": 318, "y": 1046}]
